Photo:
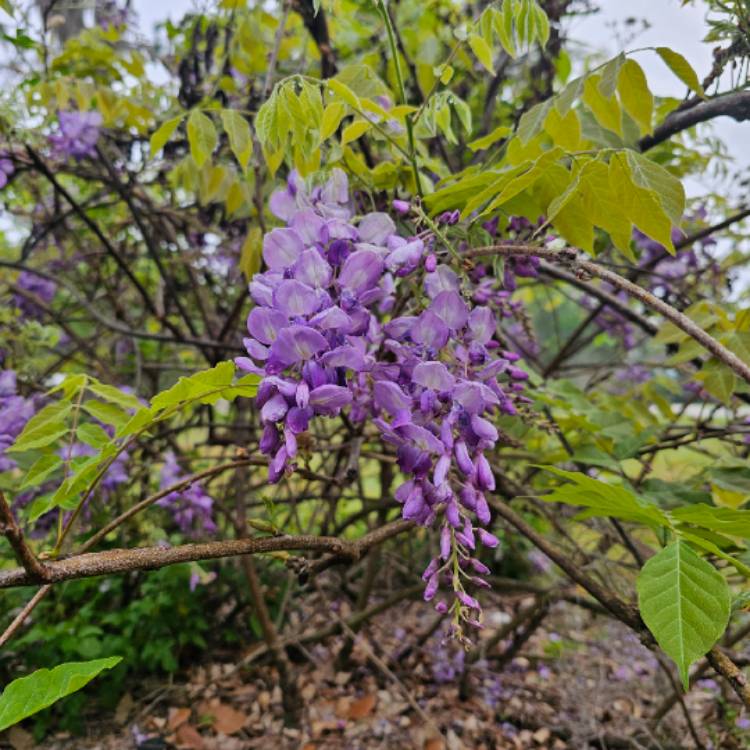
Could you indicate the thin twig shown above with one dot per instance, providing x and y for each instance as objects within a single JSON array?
[{"x": 12, "y": 532}]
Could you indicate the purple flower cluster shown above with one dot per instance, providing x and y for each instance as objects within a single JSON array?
[
  {"x": 77, "y": 136},
  {"x": 6, "y": 169},
  {"x": 37, "y": 285},
  {"x": 15, "y": 411},
  {"x": 191, "y": 507},
  {"x": 427, "y": 378}
]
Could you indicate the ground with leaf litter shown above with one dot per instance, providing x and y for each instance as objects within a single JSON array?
[{"x": 563, "y": 678}]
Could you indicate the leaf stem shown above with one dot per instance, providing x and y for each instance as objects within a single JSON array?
[{"x": 402, "y": 90}]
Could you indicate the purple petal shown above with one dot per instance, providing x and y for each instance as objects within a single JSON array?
[
  {"x": 433, "y": 375},
  {"x": 443, "y": 279},
  {"x": 264, "y": 324},
  {"x": 485, "y": 477},
  {"x": 283, "y": 204},
  {"x": 298, "y": 419},
  {"x": 334, "y": 318},
  {"x": 451, "y": 309},
  {"x": 420, "y": 437},
  {"x": 312, "y": 269},
  {"x": 361, "y": 271},
  {"x": 445, "y": 542},
  {"x": 295, "y": 344},
  {"x": 330, "y": 398},
  {"x": 483, "y": 429},
  {"x": 469, "y": 601},
  {"x": 488, "y": 540},
  {"x": 430, "y": 331},
  {"x": 408, "y": 255},
  {"x": 482, "y": 324},
  {"x": 310, "y": 227},
  {"x": 463, "y": 459},
  {"x": 345, "y": 356},
  {"x": 274, "y": 409},
  {"x": 431, "y": 588},
  {"x": 293, "y": 298},
  {"x": 375, "y": 228},
  {"x": 281, "y": 248},
  {"x": 389, "y": 397}
]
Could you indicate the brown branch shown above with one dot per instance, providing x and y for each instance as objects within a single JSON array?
[
  {"x": 115, "y": 561},
  {"x": 572, "y": 258},
  {"x": 20, "y": 618},
  {"x": 9, "y": 528},
  {"x": 735, "y": 105},
  {"x": 368, "y": 540},
  {"x": 143, "y": 504}
]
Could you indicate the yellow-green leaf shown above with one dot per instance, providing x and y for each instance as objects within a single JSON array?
[
  {"x": 240, "y": 136},
  {"x": 357, "y": 129},
  {"x": 482, "y": 51},
  {"x": 344, "y": 92},
  {"x": 332, "y": 116},
  {"x": 201, "y": 137},
  {"x": 502, "y": 131},
  {"x": 682, "y": 69},
  {"x": 163, "y": 134},
  {"x": 636, "y": 98}
]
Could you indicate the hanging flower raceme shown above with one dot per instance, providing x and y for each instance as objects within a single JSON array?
[
  {"x": 430, "y": 378},
  {"x": 77, "y": 136},
  {"x": 192, "y": 506}
]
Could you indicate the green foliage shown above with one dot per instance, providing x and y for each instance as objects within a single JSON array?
[
  {"x": 50, "y": 430},
  {"x": 39, "y": 690},
  {"x": 684, "y": 602},
  {"x": 682, "y": 69}
]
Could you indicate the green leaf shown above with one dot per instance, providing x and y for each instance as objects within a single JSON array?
[
  {"x": 725, "y": 520},
  {"x": 240, "y": 136},
  {"x": 40, "y": 470},
  {"x": 603, "y": 499},
  {"x": 332, "y": 116},
  {"x": 7, "y": 6},
  {"x": 651, "y": 176},
  {"x": 685, "y": 603},
  {"x": 542, "y": 25},
  {"x": 163, "y": 134},
  {"x": 639, "y": 205},
  {"x": 718, "y": 380},
  {"x": 531, "y": 122},
  {"x": 345, "y": 93},
  {"x": 609, "y": 74},
  {"x": 357, "y": 129},
  {"x": 606, "y": 110},
  {"x": 43, "y": 428},
  {"x": 502, "y": 131},
  {"x": 28, "y": 695},
  {"x": 271, "y": 122},
  {"x": 93, "y": 435},
  {"x": 682, "y": 69},
  {"x": 504, "y": 27},
  {"x": 107, "y": 413},
  {"x": 482, "y": 51},
  {"x": 204, "y": 386},
  {"x": 114, "y": 395},
  {"x": 201, "y": 137},
  {"x": 636, "y": 98}
]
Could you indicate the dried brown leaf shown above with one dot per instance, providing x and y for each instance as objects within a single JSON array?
[
  {"x": 227, "y": 720},
  {"x": 177, "y": 717},
  {"x": 362, "y": 707}
]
